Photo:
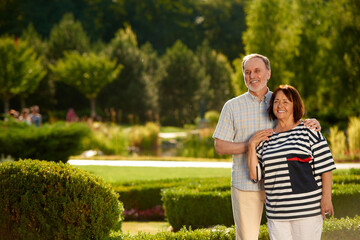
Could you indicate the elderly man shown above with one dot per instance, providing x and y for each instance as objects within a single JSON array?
[{"x": 240, "y": 118}]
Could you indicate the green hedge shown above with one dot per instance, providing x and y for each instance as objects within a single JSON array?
[
  {"x": 48, "y": 200},
  {"x": 334, "y": 229},
  {"x": 143, "y": 195},
  {"x": 51, "y": 142},
  {"x": 198, "y": 208}
]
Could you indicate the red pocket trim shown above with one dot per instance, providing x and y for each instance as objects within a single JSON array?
[{"x": 299, "y": 159}]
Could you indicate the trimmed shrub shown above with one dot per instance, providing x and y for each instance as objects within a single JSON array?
[
  {"x": 345, "y": 198},
  {"x": 52, "y": 142},
  {"x": 142, "y": 195},
  {"x": 47, "y": 200},
  {"x": 341, "y": 229},
  {"x": 334, "y": 229},
  {"x": 191, "y": 207}
]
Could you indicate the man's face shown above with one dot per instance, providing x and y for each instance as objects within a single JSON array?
[{"x": 256, "y": 75}]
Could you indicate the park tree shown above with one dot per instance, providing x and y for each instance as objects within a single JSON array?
[
  {"x": 273, "y": 30},
  {"x": 65, "y": 36},
  {"x": 131, "y": 91},
  {"x": 183, "y": 84},
  {"x": 219, "y": 70},
  {"x": 342, "y": 56},
  {"x": 222, "y": 23},
  {"x": 87, "y": 72},
  {"x": 21, "y": 69}
]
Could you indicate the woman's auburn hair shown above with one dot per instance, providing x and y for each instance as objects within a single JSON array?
[{"x": 292, "y": 95}]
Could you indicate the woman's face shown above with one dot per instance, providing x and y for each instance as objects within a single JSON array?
[{"x": 283, "y": 108}]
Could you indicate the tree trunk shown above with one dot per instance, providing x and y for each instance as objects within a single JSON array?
[
  {"x": 6, "y": 104},
  {"x": 93, "y": 109}
]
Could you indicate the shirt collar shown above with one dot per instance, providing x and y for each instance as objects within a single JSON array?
[{"x": 265, "y": 98}]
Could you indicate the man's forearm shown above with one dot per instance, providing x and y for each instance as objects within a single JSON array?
[{"x": 225, "y": 147}]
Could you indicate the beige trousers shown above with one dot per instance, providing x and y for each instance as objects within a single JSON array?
[{"x": 247, "y": 210}]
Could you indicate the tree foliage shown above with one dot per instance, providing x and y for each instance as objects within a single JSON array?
[
  {"x": 67, "y": 35},
  {"x": 182, "y": 86},
  {"x": 87, "y": 72},
  {"x": 131, "y": 91},
  {"x": 21, "y": 69}
]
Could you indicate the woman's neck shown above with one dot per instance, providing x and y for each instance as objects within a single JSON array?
[{"x": 285, "y": 125}]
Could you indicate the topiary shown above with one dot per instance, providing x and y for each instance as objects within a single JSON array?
[{"x": 47, "y": 200}]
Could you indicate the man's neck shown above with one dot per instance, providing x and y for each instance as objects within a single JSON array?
[{"x": 260, "y": 94}]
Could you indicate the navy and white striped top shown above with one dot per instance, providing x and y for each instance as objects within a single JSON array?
[{"x": 292, "y": 163}]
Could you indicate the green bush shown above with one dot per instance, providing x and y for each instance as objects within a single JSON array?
[
  {"x": 190, "y": 206},
  {"x": 195, "y": 208},
  {"x": 212, "y": 117},
  {"x": 200, "y": 144},
  {"x": 51, "y": 142},
  {"x": 337, "y": 141},
  {"x": 345, "y": 198},
  {"x": 48, "y": 200},
  {"x": 353, "y": 133},
  {"x": 108, "y": 138},
  {"x": 334, "y": 229},
  {"x": 144, "y": 137},
  {"x": 143, "y": 195}
]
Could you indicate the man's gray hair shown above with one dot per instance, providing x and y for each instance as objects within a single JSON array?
[{"x": 256, "y": 55}]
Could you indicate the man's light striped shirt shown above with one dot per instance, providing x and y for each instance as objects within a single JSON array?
[{"x": 240, "y": 118}]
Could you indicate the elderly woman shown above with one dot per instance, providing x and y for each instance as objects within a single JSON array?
[{"x": 295, "y": 163}]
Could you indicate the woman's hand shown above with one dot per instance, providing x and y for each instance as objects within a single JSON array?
[
  {"x": 326, "y": 207},
  {"x": 312, "y": 124},
  {"x": 260, "y": 136},
  {"x": 254, "y": 141}
]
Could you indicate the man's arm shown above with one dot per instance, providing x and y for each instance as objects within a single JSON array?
[{"x": 225, "y": 147}]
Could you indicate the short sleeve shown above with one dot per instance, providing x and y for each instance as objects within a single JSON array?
[
  {"x": 225, "y": 127},
  {"x": 322, "y": 157}
]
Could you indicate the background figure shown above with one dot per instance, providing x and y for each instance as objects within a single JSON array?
[
  {"x": 36, "y": 116},
  {"x": 25, "y": 116},
  {"x": 13, "y": 114},
  {"x": 71, "y": 116}
]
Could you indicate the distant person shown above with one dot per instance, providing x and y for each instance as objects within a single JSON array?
[
  {"x": 25, "y": 116},
  {"x": 296, "y": 165},
  {"x": 13, "y": 114},
  {"x": 71, "y": 116},
  {"x": 36, "y": 116}
]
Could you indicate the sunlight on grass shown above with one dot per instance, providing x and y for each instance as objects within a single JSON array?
[
  {"x": 146, "y": 227},
  {"x": 113, "y": 174}
]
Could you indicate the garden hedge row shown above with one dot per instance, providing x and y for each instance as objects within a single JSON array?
[
  {"x": 145, "y": 195},
  {"x": 334, "y": 229},
  {"x": 48, "y": 200},
  {"x": 51, "y": 142},
  {"x": 199, "y": 208}
]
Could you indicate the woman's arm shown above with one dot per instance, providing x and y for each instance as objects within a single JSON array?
[
  {"x": 326, "y": 203},
  {"x": 254, "y": 141}
]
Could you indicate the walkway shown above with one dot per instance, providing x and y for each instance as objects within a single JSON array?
[{"x": 127, "y": 163}]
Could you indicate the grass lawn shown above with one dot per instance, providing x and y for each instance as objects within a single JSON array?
[
  {"x": 146, "y": 227},
  {"x": 113, "y": 174}
]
